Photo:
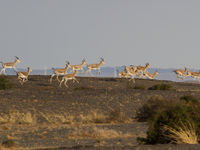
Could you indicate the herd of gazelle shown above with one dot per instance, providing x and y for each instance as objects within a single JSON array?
[
  {"x": 137, "y": 71},
  {"x": 128, "y": 72},
  {"x": 182, "y": 74}
]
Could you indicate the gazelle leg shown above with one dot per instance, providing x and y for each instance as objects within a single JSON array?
[
  {"x": 21, "y": 82},
  {"x": 52, "y": 77},
  {"x": 82, "y": 70},
  {"x": 99, "y": 71},
  {"x": 66, "y": 83},
  {"x": 61, "y": 82},
  {"x": 57, "y": 78},
  {"x": 15, "y": 69},
  {"x": 3, "y": 70},
  {"x": 76, "y": 80},
  {"x": 132, "y": 79},
  {"x": 26, "y": 79},
  {"x": 87, "y": 71},
  {"x": 91, "y": 73}
]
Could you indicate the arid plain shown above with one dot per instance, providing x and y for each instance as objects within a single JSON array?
[{"x": 96, "y": 113}]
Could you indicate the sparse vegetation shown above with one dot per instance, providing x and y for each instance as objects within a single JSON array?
[
  {"x": 117, "y": 116},
  {"x": 185, "y": 133},
  {"x": 189, "y": 99},
  {"x": 9, "y": 144},
  {"x": 160, "y": 87},
  {"x": 96, "y": 133},
  {"x": 5, "y": 83},
  {"x": 55, "y": 118},
  {"x": 93, "y": 117},
  {"x": 17, "y": 117},
  {"x": 170, "y": 121},
  {"x": 154, "y": 105},
  {"x": 97, "y": 114}
]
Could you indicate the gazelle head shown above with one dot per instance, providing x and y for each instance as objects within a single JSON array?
[
  {"x": 84, "y": 61},
  {"x": 17, "y": 59},
  {"x": 67, "y": 64},
  {"x": 186, "y": 69},
  {"x": 156, "y": 72},
  {"x": 133, "y": 67},
  {"x": 147, "y": 65},
  {"x": 29, "y": 69},
  {"x": 102, "y": 61}
]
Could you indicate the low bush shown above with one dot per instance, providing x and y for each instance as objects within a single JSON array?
[
  {"x": 171, "y": 122},
  {"x": 154, "y": 105},
  {"x": 160, "y": 87},
  {"x": 5, "y": 84},
  {"x": 189, "y": 98}
]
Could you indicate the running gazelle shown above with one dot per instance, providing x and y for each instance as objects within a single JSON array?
[
  {"x": 9, "y": 65},
  {"x": 79, "y": 67},
  {"x": 67, "y": 77},
  {"x": 60, "y": 71},
  {"x": 23, "y": 76},
  {"x": 95, "y": 66}
]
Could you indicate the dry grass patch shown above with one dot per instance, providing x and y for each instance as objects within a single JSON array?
[
  {"x": 93, "y": 117},
  {"x": 183, "y": 134},
  {"x": 97, "y": 133},
  {"x": 115, "y": 116},
  {"x": 54, "y": 118},
  {"x": 17, "y": 117},
  {"x": 118, "y": 116}
]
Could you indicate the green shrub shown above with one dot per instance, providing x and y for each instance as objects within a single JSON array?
[
  {"x": 151, "y": 107},
  {"x": 173, "y": 116},
  {"x": 189, "y": 98},
  {"x": 160, "y": 87},
  {"x": 5, "y": 84}
]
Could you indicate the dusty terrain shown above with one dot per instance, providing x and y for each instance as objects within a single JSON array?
[{"x": 97, "y": 113}]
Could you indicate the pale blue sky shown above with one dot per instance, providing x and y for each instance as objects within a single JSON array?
[{"x": 165, "y": 33}]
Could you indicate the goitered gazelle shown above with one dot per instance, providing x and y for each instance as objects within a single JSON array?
[
  {"x": 23, "y": 76},
  {"x": 141, "y": 69},
  {"x": 95, "y": 66},
  {"x": 9, "y": 65},
  {"x": 79, "y": 67},
  {"x": 123, "y": 74},
  {"x": 60, "y": 71},
  {"x": 151, "y": 75},
  {"x": 181, "y": 74},
  {"x": 194, "y": 75},
  {"x": 132, "y": 72},
  {"x": 69, "y": 77}
]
